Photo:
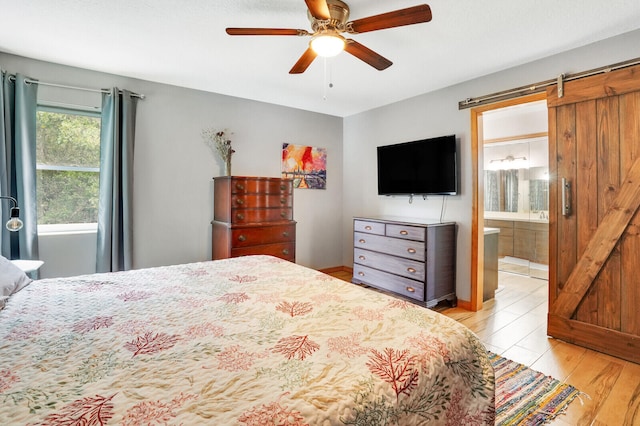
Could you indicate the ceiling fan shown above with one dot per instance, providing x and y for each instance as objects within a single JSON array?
[{"x": 329, "y": 18}]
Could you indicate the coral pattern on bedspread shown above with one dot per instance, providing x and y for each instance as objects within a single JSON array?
[{"x": 246, "y": 341}]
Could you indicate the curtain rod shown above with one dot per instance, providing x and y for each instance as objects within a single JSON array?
[
  {"x": 541, "y": 86},
  {"x": 64, "y": 86}
]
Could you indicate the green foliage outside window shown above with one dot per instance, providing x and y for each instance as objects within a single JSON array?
[{"x": 68, "y": 161}]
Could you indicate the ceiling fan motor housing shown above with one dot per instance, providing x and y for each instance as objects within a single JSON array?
[{"x": 339, "y": 12}]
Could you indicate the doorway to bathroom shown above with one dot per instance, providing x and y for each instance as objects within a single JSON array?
[
  {"x": 510, "y": 235},
  {"x": 516, "y": 186}
]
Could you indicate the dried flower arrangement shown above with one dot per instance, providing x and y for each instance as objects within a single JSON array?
[{"x": 219, "y": 143}]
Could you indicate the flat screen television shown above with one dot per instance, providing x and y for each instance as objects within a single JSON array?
[{"x": 423, "y": 167}]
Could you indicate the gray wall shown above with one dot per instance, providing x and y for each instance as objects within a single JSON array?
[
  {"x": 174, "y": 168},
  {"x": 173, "y": 187},
  {"x": 435, "y": 114}
]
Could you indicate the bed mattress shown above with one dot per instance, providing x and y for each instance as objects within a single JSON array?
[{"x": 252, "y": 340}]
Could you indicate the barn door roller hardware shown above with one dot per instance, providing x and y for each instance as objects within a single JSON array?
[{"x": 542, "y": 85}]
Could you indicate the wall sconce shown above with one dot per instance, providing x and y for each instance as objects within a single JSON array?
[{"x": 14, "y": 224}]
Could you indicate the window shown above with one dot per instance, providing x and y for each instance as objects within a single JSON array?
[{"x": 67, "y": 166}]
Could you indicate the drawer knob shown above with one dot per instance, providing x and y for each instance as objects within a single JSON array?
[
  {"x": 403, "y": 232},
  {"x": 283, "y": 201},
  {"x": 411, "y": 289},
  {"x": 283, "y": 214},
  {"x": 283, "y": 187},
  {"x": 411, "y": 270},
  {"x": 240, "y": 201},
  {"x": 240, "y": 216},
  {"x": 242, "y": 238},
  {"x": 411, "y": 250},
  {"x": 361, "y": 241},
  {"x": 239, "y": 186},
  {"x": 362, "y": 257},
  {"x": 368, "y": 228},
  {"x": 285, "y": 234},
  {"x": 361, "y": 273},
  {"x": 285, "y": 251}
]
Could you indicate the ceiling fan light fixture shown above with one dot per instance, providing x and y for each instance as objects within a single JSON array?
[{"x": 327, "y": 43}]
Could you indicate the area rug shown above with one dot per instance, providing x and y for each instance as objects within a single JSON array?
[{"x": 527, "y": 397}]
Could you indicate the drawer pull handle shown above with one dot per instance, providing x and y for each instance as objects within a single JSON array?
[
  {"x": 283, "y": 187},
  {"x": 403, "y": 232},
  {"x": 242, "y": 238},
  {"x": 411, "y": 289},
  {"x": 368, "y": 228},
  {"x": 240, "y": 201},
  {"x": 285, "y": 234},
  {"x": 283, "y": 201},
  {"x": 362, "y": 257},
  {"x": 285, "y": 251},
  {"x": 361, "y": 273},
  {"x": 411, "y": 250},
  {"x": 411, "y": 270},
  {"x": 239, "y": 186},
  {"x": 240, "y": 216},
  {"x": 361, "y": 241},
  {"x": 283, "y": 214}
]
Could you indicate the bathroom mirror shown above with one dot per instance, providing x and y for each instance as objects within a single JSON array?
[{"x": 516, "y": 177}]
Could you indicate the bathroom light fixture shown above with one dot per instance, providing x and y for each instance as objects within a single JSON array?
[
  {"x": 14, "y": 224},
  {"x": 327, "y": 43},
  {"x": 508, "y": 163}
]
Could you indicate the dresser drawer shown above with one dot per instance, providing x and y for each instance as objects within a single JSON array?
[
  {"x": 368, "y": 227},
  {"x": 257, "y": 235},
  {"x": 395, "y": 265},
  {"x": 416, "y": 233},
  {"x": 395, "y": 246},
  {"x": 248, "y": 185},
  {"x": 261, "y": 201},
  {"x": 285, "y": 251},
  {"x": 390, "y": 282},
  {"x": 261, "y": 215}
]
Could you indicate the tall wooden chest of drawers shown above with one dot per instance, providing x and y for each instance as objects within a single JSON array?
[
  {"x": 253, "y": 215},
  {"x": 413, "y": 259}
]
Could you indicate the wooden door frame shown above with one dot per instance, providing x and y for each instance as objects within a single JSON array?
[{"x": 477, "y": 207}]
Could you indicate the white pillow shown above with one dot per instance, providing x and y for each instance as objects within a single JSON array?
[{"x": 12, "y": 278}]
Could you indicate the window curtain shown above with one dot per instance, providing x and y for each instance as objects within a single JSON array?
[
  {"x": 115, "y": 205},
  {"x": 18, "y": 101},
  {"x": 539, "y": 194},
  {"x": 492, "y": 191},
  {"x": 511, "y": 190}
]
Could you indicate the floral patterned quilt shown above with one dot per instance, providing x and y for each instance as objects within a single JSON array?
[{"x": 246, "y": 341}]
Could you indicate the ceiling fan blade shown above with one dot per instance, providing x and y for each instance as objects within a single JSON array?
[
  {"x": 398, "y": 18},
  {"x": 266, "y": 31},
  {"x": 319, "y": 9},
  {"x": 303, "y": 63},
  {"x": 367, "y": 55}
]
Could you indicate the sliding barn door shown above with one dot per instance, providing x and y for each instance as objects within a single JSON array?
[{"x": 594, "y": 146}]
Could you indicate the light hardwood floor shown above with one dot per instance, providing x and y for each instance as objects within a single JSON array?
[{"x": 513, "y": 324}]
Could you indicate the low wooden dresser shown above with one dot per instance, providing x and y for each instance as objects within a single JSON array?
[
  {"x": 253, "y": 215},
  {"x": 410, "y": 258}
]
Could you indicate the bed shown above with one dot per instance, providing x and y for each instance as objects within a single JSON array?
[{"x": 252, "y": 340}]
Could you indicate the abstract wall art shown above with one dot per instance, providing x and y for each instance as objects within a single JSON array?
[{"x": 306, "y": 165}]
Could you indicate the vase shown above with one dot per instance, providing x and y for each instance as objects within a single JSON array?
[{"x": 227, "y": 166}]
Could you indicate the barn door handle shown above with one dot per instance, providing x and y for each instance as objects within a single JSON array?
[{"x": 566, "y": 197}]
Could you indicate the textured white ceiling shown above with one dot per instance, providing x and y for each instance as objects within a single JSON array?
[{"x": 183, "y": 42}]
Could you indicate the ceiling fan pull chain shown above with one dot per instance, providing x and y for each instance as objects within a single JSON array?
[
  {"x": 327, "y": 82},
  {"x": 330, "y": 76},
  {"x": 324, "y": 79}
]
